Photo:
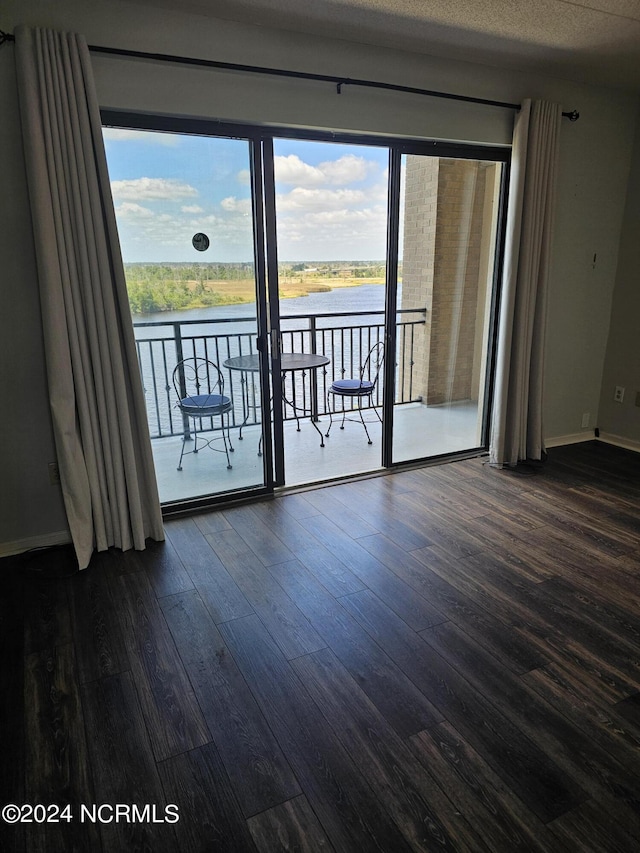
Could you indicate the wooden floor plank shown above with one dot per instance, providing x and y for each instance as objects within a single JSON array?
[
  {"x": 210, "y": 816},
  {"x": 500, "y": 821},
  {"x": 254, "y": 762},
  {"x": 344, "y": 517},
  {"x": 258, "y": 536},
  {"x": 163, "y": 566},
  {"x": 124, "y": 767},
  {"x": 444, "y": 528},
  {"x": 410, "y": 606},
  {"x": 541, "y": 604},
  {"x": 285, "y": 622},
  {"x": 170, "y": 708},
  {"x": 291, "y": 827},
  {"x": 424, "y": 815},
  {"x": 583, "y": 760},
  {"x": 461, "y": 606},
  {"x": 449, "y": 603},
  {"x": 379, "y": 506},
  {"x": 100, "y": 647},
  {"x": 629, "y": 708},
  {"x": 472, "y": 577},
  {"x": 395, "y": 696},
  {"x": 564, "y": 687},
  {"x": 321, "y": 562},
  {"x": 217, "y": 588},
  {"x": 401, "y": 564},
  {"x": 514, "y": 756},
  {"x": 46, "y": 605},
  {"x": 57, "y": 768},
  {"x": 593, "y": 827},
  {"x": 338, "y": 793}
]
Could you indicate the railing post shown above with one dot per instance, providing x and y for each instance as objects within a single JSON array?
[
  {"x": 313, "y": 377},
  {"x": 177, "y": 336}
]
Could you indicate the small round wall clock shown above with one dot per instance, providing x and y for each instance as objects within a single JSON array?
[{"x": 200, "y": 242}]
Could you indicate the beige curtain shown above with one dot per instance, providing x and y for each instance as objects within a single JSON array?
[
  {"x": 517, "y": 428},
  {"x": 97, "y": 404}
]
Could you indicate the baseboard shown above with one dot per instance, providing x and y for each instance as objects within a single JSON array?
[
  {"x": 573, "y": 438},
  {"x": 48, "y": 540},
  {"x": 620, "y": 441}
]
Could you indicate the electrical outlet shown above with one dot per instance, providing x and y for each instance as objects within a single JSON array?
[
  {"x": 585, "y": 420},
  {"x": 54, "y": 474},
  {"x": 618, "y": 394}
]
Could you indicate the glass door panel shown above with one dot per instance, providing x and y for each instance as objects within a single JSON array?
[
  {"x": 446, "y": 258},
  {"x": 187, "y": 224},
  {"x": 331, "y": 227}
]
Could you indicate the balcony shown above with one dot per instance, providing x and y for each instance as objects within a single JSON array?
[{"x": 345, "y": 339}]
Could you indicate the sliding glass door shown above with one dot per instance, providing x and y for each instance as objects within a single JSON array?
[
  {"x": 189, "y": 215},
  {"x": 331, "y": 230},
  {"x": 341, "y": 292},
  {"x": 448, "y": 224}
]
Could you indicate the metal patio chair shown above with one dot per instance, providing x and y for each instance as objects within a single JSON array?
[
  {"x": 199, "y": 386},
  {"x": 361, "y": 389}
]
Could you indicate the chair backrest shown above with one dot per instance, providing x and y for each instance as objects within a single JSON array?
[
  {"x": 372, "y": 366},
  {"x": 193, "y": 377}
]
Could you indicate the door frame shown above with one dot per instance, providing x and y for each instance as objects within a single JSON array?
[{"x": 260, "y": 139}]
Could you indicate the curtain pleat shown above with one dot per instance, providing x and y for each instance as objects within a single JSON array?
[
  {"x": 95, "y": 392},
  {"x": 517, "y": 430}
]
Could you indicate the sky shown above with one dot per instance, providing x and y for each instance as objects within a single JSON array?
[{"x": 331, "y": 199}]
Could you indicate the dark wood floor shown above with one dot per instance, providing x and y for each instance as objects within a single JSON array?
[{"x": 446, "y": 659}]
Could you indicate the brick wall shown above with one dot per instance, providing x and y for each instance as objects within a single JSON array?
[{"x": 444, "y": 271}]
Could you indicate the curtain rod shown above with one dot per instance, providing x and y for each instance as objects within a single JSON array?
[{"x": 338, "y": 82}]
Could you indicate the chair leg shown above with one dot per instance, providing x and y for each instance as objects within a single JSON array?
[
  {"x": 182, "y": 448},
  {"x": 363, "y": 420},
  {"x": 326, "y": 435},
  {"x": 224, "y": 438},
  {"x": 231, "y": 447}
]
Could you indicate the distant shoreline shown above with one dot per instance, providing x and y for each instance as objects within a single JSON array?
[{"x": 159, "y": 288}]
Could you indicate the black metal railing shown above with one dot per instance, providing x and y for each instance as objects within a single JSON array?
[{"x": 345, "y": 339}]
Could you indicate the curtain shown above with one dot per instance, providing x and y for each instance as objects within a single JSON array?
[
  {"x": 97, "y": 403},
  {"x": 517, "y": 426}
]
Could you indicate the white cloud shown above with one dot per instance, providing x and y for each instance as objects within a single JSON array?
[
  {"x": 349, "y": 169},
  {"x": 192, "y": 208},
  {"x": 130, "y": 210},
  {"x": 126, "y": 134},
  {"x": 152, "y": 188},
  {"x": 292, "y": 170},
  {"x": 236, "y": 205},
  {"x": 306, "y": 199}
]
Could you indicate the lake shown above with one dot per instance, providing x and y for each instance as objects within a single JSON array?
[{"x": 364, "y": 297}]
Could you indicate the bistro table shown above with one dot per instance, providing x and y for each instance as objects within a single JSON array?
[{"x": 289, "y": 363}]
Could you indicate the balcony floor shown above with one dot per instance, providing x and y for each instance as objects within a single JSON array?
[{"x": 419, "y": 431}]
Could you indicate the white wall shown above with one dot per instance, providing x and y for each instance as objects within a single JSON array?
[
  {"x": 595, "y": 155},
  {"x": 620, "y": 422}
]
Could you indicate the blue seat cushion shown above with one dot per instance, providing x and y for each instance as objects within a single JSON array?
[
  {"x": 205, "y": 404},
  {"x": 352, "y": 387}
]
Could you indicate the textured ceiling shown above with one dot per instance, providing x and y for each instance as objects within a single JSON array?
[{"x": 593, "y": 41}]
